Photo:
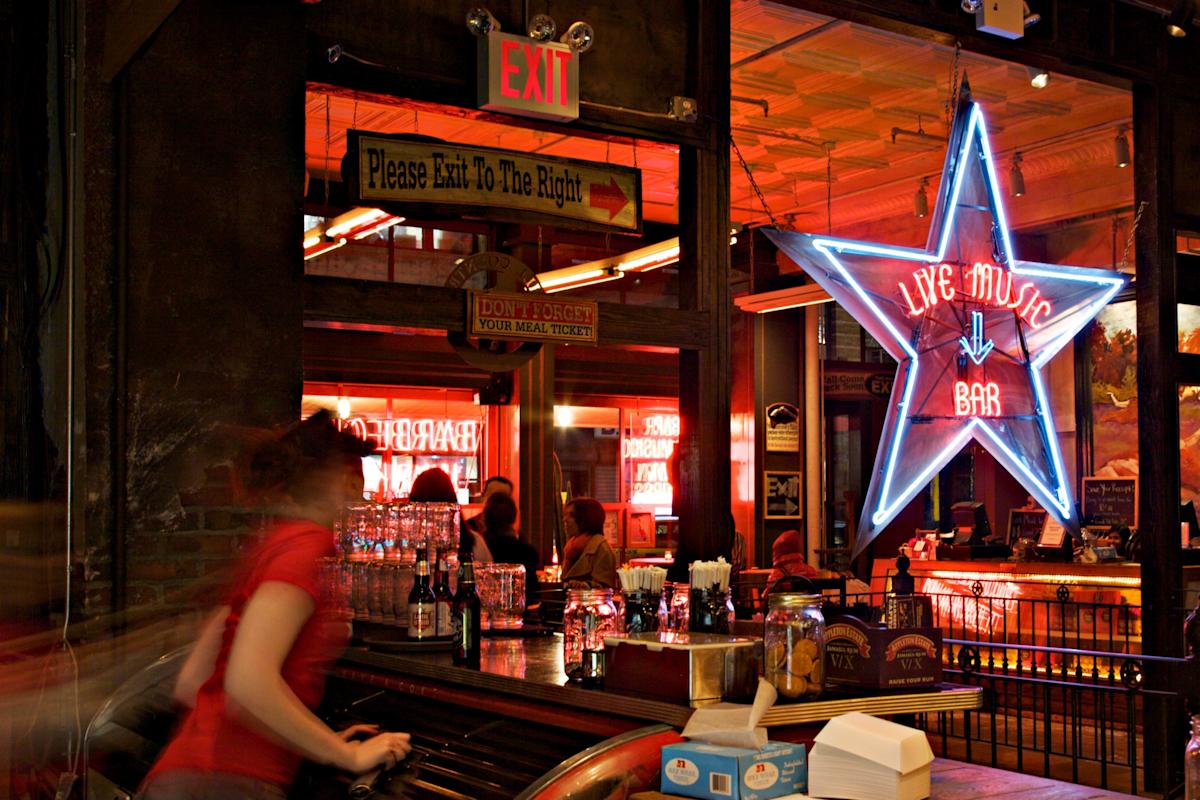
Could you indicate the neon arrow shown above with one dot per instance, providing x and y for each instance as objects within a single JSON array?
[
  {"x": 977, "y": 349},
  {"x": 610, "y": 197}
]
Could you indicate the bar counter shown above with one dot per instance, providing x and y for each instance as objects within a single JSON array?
[{"x": 528, "y": 673}]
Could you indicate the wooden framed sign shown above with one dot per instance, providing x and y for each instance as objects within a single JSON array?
[
  {"x": 1110, "y": 501},
  {"x": 1025, "y": 523},
  {"x": 504, "y": 315},
  {"x": 781, "y": 495},
  {"x": 422, "y": 175}
]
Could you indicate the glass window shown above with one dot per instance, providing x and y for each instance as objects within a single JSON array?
[
  {"x": 588, "y": 443},
  {"x": 1189, "y": 329},
  {"x": 1189, "y": 444}
]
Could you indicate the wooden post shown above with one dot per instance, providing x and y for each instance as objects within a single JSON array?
[
  {"x": 1158, "y": 424},
  {"x": 538, "y": 492},
  {"x": 704, "y": 375}
]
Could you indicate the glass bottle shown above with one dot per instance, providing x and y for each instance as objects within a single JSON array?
[
  {"x": 444, "y": 602},
  {"x": 465, "y": 617},
  {"x": 794, "y": 645},
  {"x": 422, "y": 619},
  {"x": 1191, "y": 763},
  {"x": 588, "y": 618}
]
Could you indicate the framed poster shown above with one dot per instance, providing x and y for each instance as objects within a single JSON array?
[
  {"x": 1024, "y": 523},
  {"x": 1053, "y": 534},
  {"x": 781, "y": 495},
  {"x": 1110, "y": 501},
  {"x": 783, "y": 428}
]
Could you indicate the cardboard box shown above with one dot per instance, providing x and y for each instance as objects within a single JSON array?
[
  {"x": 870, "y": 657},
  {"x": 696, "y": 769}
]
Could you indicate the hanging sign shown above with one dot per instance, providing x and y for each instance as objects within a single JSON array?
[
  {"x": 527, "y": 77},
  {"x": 381, "y": 169},
  {"x": 971, "y": 327},
  {"x": 783, "y": 428},
  {"x": 857, "y": 384},
  {"x": 781, "y": 495},
  {"x": 500, "y": 315}
]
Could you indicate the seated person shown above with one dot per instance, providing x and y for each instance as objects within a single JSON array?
[
  {"x": 787, "y": 559},
  {"x": 497, "y": 484},
  {"x": 499, "y": 518},
  {"x": 588, "y": 560}
]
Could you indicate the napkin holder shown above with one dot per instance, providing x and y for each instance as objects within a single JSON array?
[{"x": 687, "y": 668}]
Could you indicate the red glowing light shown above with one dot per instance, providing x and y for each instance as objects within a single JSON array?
[
  {"x": 976, "y": 399},
  {"x": 648, "y": 455},
  {"x": 404, "y": 435},
  {"x": 981, "y": 283}
]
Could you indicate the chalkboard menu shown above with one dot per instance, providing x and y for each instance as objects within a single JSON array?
[
  {"x": 1110, "y": 501},
  {"x": 1025, "y": 523}
]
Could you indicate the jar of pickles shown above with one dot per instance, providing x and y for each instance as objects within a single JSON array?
[
  {"x": 794, "y": 645},
  {"x": 588, "y": 617}
]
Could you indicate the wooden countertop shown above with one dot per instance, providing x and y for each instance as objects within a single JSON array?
[
  {"x": 531, "y": 668},
  {"x": 955, "y": 780}
]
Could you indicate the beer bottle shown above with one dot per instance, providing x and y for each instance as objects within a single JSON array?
[
  {"x": 465, "y": 616},
  {"x": 445, "y": 602},
  {"x": 422, "y": 615}
]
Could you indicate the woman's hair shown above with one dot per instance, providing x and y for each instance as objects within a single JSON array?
[
  {"x": 588, "y": 514},
  {"x": 291, "y": 463},
  {"x": 499, "y": 513},
  {"x": 432, "y": 486}
]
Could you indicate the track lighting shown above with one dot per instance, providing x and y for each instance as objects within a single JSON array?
[
  {"x": 1015, "y": 178},
  {"x": 1038, "y": 78},
  {"x": 579, "y": 37},
  {"x": 1180, "y": 18},
  {"x": 1121, "y": 155},
  {"x": 921, "y": 200},
  {"x": 481, "y": 22},
  {"x": 1031, "y": 17},
  {"x": 542, "y": 28}
]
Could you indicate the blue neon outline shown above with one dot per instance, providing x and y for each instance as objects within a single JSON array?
[{"x": 829, "y": 247}]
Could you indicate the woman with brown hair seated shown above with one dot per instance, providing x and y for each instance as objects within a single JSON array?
[{"x": 588, "y": 560}]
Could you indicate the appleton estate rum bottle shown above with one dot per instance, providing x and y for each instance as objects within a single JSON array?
[
  {"x": 422, "y": 614},
  {"x": 465, "y": 617}
]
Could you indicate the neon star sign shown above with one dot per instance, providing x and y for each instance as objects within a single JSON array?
[{"x": 971, "y": 326}]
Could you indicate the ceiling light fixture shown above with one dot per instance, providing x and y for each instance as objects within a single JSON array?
[
  {"x": 1031, "y": 18},
  {"x": 1121, "y": 155},
  {"x": 808, "y": 294},
  {"x": 358, "y": 221},
  {"x": 921, "y": 200},
  {"x": 322, "y": 246},
  {"x": 481, "y": 22},
  {"x": 1181, "y": 17},
  {"x": 1038, "y": 78},
  {"x": 542, "y": 28},
  {"x": 1016, "y": 184},
  {"x": 560, "y": 280}
]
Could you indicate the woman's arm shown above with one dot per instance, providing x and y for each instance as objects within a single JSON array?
[
  {"x": 268, "y": 628},
  {"x": 199, "y": 664}
]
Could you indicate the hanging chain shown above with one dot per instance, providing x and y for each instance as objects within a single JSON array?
[
  {"x": 1137, "y": 218},
  {"x": 952, "y": 89},
  {"x": 753, "y": 183},
  {"x": 325, "y": 179},
  {"x": 828, "y": 189}
]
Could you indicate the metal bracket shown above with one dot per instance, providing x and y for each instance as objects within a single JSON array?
[{"x": 683, "y": 109}]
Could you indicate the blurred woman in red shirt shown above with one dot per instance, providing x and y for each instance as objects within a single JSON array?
[{"x": 258, "y": 669}]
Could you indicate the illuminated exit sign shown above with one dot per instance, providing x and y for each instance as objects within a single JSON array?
[{"x": 529, "y": 78}]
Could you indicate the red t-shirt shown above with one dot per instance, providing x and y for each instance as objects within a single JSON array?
[{"x": 212, "y": 737}]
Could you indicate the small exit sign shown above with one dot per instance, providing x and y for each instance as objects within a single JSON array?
[{"x": 527, "y": 77}]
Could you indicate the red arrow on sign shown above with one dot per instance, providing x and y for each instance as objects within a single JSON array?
[{"x": 608, "y": 197}]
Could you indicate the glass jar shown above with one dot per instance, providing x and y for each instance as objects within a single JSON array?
[
  {"x": 501, "y": 595},
  {"x": 709, "y": 611},
  {"x": 794, "y": 645},
  {"x": 641, "y": 607},
  {"x": 359, "y": 590},
  {"x": 589, "y": 616},
  {"x": 1191, "y": 763}
]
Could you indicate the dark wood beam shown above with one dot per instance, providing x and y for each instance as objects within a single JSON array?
[
  {"x": 703, "y": 488},
  {"x": 1158, "y": 423},
  {"x": 128, "y": 26},
  {"x": 408, "y": 305}
]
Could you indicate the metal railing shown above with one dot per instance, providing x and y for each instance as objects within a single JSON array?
[{"x": 1062, "y": 677}]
